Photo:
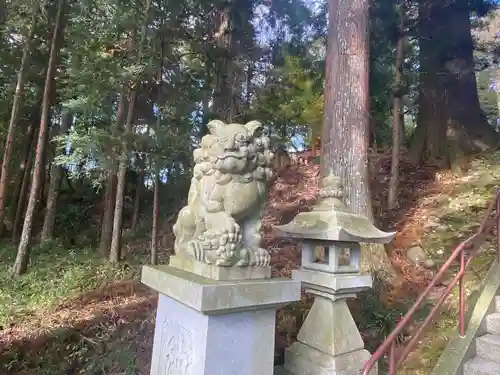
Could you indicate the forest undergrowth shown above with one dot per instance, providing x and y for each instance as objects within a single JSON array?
[{"x": 73, "y": 313}]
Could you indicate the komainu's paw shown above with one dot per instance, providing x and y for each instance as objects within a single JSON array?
[
  {"x": 243, "y": 258},
  {"x": 195, "y": 248},
  {"x": 261, "y": 258},
  {"x": 224, "y": 224},
  {"x": 222, "y": 243}
]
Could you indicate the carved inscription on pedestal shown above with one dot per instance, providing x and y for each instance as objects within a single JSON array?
[{"x": 176, "y": 353}]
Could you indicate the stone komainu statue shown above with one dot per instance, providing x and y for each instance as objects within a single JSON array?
[{"x": 221, "y": 223}]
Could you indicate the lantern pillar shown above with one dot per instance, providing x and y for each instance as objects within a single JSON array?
[{"x": 329, "y": 341}]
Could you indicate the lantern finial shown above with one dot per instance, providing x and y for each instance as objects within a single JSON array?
[{"x": 331, "y": 195}]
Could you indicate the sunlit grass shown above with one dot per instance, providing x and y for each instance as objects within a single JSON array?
[{"x": 54, "y": 274}]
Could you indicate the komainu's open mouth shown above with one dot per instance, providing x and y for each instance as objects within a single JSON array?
[{"x": 235, "y": 155}]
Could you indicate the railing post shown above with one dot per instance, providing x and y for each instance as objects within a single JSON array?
[
  {"x": 392, "y": 358},
  {"x": 461, "y": 287},
  {"x": 498, "y": 226}
]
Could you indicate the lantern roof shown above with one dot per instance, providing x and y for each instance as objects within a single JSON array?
[{"x": 331, "y": 220}]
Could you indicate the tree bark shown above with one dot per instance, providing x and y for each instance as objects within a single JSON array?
[
  {"x": 207, "y": 94},
  {"x": 498, "y": 95},
  {"x": 397, "y": 109},
  {"x": 14, "y": 116},
  {"x": 372, "y": 137},
  {"x": 249, "y": 86},
  {"x": 402, "y": 127},
  {"x": 22, "y": 258},
  {"x": 110, "y": 189},
  {"x": 346, "y": 120},
  {"x": 137, "y": 201},
  {"x": 54, "y": 186},
  {"x": 115, "y": 249},
  {"x": 466, "y": 115},
  {"x": 29, "y": 145},
  {"x": 20, "y": 206},
  {"x": 3, "y": 13},
  {"x": 447, "y": 91},
  {"x": 154, "y": 230},
  {"x": 230, "y": 40},
  {"x": 156, "y": 178},
  {"x": 107, "y": 215},
  {"x": 223, "y": 100}
]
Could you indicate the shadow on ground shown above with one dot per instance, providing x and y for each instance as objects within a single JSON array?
[{"x": 106, "y": 331}]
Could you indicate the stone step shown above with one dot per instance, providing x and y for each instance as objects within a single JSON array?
[
  {"x": 488, "y": 347},
  {"x": 497, "y": 303},
  {"x": 279, "y": 370},
  {"x": 493, "y": 323},
  {"x": 480, "y": 366}
]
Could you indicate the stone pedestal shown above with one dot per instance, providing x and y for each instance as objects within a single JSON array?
[
  {"x": 215, "y": 327},
  {"x": 211, "y": 271},
  {"x": 329, "y": 341}
]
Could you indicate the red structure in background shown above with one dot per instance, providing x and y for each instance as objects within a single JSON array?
[
  {"x": 305, "y": 157},
  {"x": 316, "y": 146},
  {"x": 463, "y": 253}
]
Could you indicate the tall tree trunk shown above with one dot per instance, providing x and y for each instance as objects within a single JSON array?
[
  {"x": 154, "y": 230},
  {"x": 401, "y": 122},
  {"x": 115, "y": 249},
  {"x": 25, "y": 162},
  {"x": 428, "y": 142},
  {"x": 54, "y": 186},
  {"x": 47, "y": 155},
  {"x": 250, "y": 75},
  {"x": 23, "y": 190},
  {"x": 344, "y": 144},
  {"x": 137, "y": 201},
  {"x": 207, "y": 94},
  {"x": 397, "y": 108},
  {"x": 22, "y": 258},
  {"x": 232, "y": 29},
  {"x": 107, "y": 215},
  {"x": 14, "y": 116},
  {"x": 3, "y": 13},
  {"x": 402, "y": 128},
  {"x": 156, "y": 178},
  {"x": 110, "y": 189},
  {"x": 372, "y": 136},
  {"x": 498, "y": 94},
  {"x": 448, "y": 91},
  {"x": 223, "y": 101},
  {"x": 232, "y": 37},
  {"x": 466, "y": 115}
]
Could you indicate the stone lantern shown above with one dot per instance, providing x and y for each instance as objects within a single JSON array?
[{"x": 329, "y": 341}]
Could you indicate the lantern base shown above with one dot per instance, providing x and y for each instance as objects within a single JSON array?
[
  {"x": 329, "y": 341},
  {"x": 301, "y": 359}
]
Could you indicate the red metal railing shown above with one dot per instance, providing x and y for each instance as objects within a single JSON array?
[{"x": 471, "y": 246}]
